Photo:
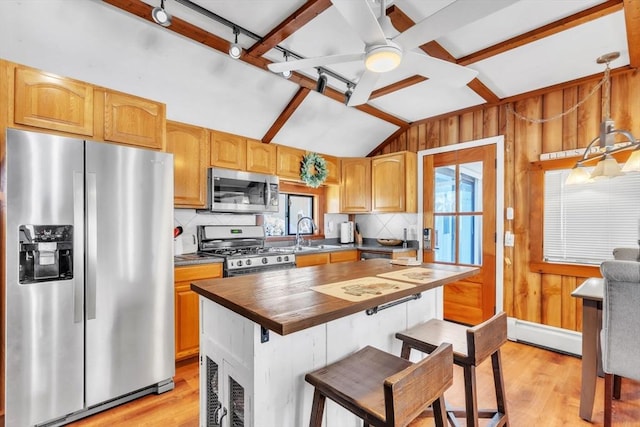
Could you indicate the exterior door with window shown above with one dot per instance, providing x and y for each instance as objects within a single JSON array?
[{"x": 459, "y": 207}]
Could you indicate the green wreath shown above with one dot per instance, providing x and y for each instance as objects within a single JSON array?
[{"x": 313, "y": 162}]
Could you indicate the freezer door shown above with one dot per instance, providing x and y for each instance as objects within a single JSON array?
[
  {"x": 44, "y": 316},
  {"x": 129, "y": 303}
]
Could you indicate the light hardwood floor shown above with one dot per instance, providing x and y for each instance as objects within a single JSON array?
[{"x": 542, "y": 388}]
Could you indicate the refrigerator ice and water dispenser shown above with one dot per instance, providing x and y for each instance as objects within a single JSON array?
[{"x": 46, "y": 253}]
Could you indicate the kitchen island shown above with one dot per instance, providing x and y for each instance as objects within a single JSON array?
[{"x": 260, "y": 334}]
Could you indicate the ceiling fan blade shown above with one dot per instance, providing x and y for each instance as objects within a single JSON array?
[
  {"x": 450, "y": 18},
  {"x": 444, "y": 71},
  {"x": 360, "y": 16},
  {"x": 364, "y": 88},
  {"x": 298, "y": 64}
]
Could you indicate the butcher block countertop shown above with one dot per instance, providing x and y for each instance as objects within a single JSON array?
[{"x": 285, "y": 301}]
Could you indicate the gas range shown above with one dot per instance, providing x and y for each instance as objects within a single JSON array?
[{"x": 242, "y": 248}]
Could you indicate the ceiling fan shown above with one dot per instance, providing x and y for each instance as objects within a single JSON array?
[{"x": 385, "y": 49}]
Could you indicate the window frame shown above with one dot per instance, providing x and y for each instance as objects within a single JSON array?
[
  {"x": 537, "y": 264},
  {"x": 319, "y": 209}
]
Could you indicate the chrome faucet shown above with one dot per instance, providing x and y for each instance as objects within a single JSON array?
[{"x": 298, "y": 238}]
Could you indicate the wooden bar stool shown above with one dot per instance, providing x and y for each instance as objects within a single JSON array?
[
  {"x": 382, "y": 389},
  {"x": 471, "y": 346}
]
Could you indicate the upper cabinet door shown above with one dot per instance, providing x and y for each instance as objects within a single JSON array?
[
  {"x": 394, "y": 182},
  {"x": 132, "y": 120},
  {"x": 333, "y": 169},
  {"x": 189, "y": 145},
  {"x": 48, "y": 101},
  {"x": 261, "y": 157},
  {"x": 228, "y": 151},
  {"x": 289, "y": 162},
  {"x": 355, "y": 191}
]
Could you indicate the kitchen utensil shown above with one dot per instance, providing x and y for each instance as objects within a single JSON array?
[{"x": 389, "y": 242}]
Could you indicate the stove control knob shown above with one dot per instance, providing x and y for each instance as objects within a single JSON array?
[
  {"x": 248, "y": 262},
  {"x": 239, "y": 263},
  {"x": 286, "y": 257},
  {"x": 279, "y": 259},
  {"x": 265, "y": 260}
]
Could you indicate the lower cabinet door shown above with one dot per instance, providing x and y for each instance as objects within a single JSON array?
[{"x": 186, "y": 321}]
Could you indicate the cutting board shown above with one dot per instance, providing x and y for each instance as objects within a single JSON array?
[{"x": 362, "y": 289}]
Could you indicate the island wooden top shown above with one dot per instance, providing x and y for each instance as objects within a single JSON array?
[{"x": 284, "y": 301}]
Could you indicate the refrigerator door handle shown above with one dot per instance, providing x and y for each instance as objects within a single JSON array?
[
  {"x": 92, "y": 245},
  {"x": 78, "y": 218}
]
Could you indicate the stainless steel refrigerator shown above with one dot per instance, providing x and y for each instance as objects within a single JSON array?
[{"x": 89, "y": 276}]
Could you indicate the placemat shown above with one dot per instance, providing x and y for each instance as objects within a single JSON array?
[
  {"x": 420, "y": 275},
  {"x": 362, "y": 289}
]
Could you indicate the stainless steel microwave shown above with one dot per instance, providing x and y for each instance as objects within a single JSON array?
[{"x": 242, "y": 192}]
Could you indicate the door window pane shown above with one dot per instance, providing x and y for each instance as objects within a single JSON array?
[
  {"x": 470, "y": 239},
  {"x": 445, "y": 194},
  {"x": 470, "y": 176},
  {"x": 445, "y": 248}
]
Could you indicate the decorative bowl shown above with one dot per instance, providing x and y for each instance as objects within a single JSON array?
[{"x": 389, "y": 242}]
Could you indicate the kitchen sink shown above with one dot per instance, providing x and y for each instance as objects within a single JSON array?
[{"x": 327, "y": 246}]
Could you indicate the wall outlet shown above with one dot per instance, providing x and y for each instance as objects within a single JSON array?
[{"x": 509, "y": 239}]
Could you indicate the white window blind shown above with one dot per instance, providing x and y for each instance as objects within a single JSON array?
[{"x": 583, "y": 223}]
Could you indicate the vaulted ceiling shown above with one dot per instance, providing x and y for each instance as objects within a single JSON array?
[{"x": 523, "y": 47}]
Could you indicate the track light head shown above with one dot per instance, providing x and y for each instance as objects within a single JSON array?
[
  {"x": 347, "y": 94},
  {"x": 235, "y": 50},
  {"x": 322, "y": 81},
  {"x": 286, "y": 73},
  {"x": 160, "y": 16}
]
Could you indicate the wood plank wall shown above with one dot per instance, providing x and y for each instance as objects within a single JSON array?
[{"x": 529, "y": 295}]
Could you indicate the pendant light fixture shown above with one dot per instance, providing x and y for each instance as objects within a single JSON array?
[
  {"x": 235, "y": 50},
  {"x": 607, "y": 166},
  {"x": 160, "y": 16}
]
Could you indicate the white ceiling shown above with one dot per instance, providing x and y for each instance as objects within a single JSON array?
[{"x": 100, "y": 43}]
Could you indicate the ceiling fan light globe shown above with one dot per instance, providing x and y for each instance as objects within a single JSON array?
[
  {"x": 160, "y": 16},
  {"x": 235, "y": 50},
  {"x": 382, "y": 59}
]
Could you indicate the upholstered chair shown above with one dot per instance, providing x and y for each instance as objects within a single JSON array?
[
  {"x": 626, "y": 254},
  {"x": 620, "y": 325}
]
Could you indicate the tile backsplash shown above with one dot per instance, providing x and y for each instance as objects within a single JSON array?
[{"x": 386, "y": 226}]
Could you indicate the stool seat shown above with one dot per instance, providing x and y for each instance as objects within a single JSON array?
[
  {"x": 471, "y": 346},
  {"x": 383, "y": 389}
]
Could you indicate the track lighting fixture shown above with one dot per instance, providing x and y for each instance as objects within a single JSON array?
[
  {"x": 322, "y": 81},
  {"x": 286, "y": 73},
  {"x": 235, "y": 50},
  {"x": 160, "y": 15},
  {"x": 348, "y": 93}
]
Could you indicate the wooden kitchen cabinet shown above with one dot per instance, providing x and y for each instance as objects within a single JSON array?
[
  {"x": 186, "y": 306},
  {"x": 312, "y": 259},
  {"x": 355, "y": 189},
  {"x": 394, "y": 182},
  {"x": 47, "y": 101},
  {"x": 190, "y": 148},
  {"x": 132, "y": 120},
  {"x": 343, "y": 256},
  {"x": 289, "y": 162},
  {"x": 307, "y": 260},
  {"x": 333, "y": 169},
  {"x": 261, "y": 157},
  {"x": 228, "y": 151}
]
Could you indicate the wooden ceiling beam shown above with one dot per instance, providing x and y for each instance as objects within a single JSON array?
[
  {"x": 556, "y": 27},
  {"x": 290, "y": 25},
  {"x": 402, "y": 22},
  {"x": 286, "y": 113},
  {"x": 409, "y": 81},
  {"x": 632, "y": 21},
  {"x": 179, "y": 26}
]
